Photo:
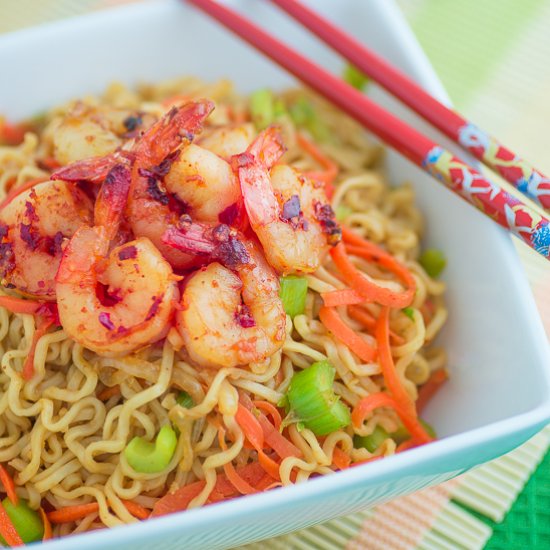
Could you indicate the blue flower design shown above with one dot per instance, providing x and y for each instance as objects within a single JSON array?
[{"x": 541, "y": 239}]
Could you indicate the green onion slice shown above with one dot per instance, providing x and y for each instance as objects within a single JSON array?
[
  {"x": 433, "y": 261},
  {"x": 373, "y": 441},
  {"x": 409, "y": 312},
  {"x": 402, "y": 434},
  {"x": 342, "y": 212},
  {"x": 27, "y": 522},
  {"x": 293, "y": 294},
  {"x": 262, "y": 108},
  {"x": 354, "y": 77},
  {"x": 312, "y": 400},
  {"x": 148, "y": 457},
  {"x": 185, "y": 400},
  {"x": 303, "y": 115}
]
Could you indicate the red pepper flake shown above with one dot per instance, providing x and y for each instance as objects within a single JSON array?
[
  {"x": 243, "y": 316},
  {"x": 154, "y": 307},
  {"x": 127, "y": 253},
  {"x": 105, "y": 320},
  {"x": 230, "y": 214}
]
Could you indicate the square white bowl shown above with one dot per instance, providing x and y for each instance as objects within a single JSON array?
[{"x": 499, "y": 394}]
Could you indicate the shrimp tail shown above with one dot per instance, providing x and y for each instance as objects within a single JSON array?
[
  {"x": 179, "y": 124},
  {"x": 93, "y": 170},
  {"x": 218, "y": 242},
  {"x": 112, "y": 199},
  {"x": 252, "y": 168}
]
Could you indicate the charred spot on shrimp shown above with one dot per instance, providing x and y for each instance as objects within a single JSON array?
[
  {"x": 7, "y": 259},
  {"x": 293, "y": 215},
  {"x": 30, "y": 211},
  {"x": 327, "y": 220},
  {"x": 230, "y": 214},
  {"x": 53, "y": 245},
  {"x": 154, "y": 307},
  {"x": 133, "y": 122}
]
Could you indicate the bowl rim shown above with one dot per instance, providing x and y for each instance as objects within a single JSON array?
[{"x": 386, "y": 469}]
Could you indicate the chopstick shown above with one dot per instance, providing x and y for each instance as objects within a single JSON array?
[
  {"x": 487, "y": 196},
  {"x": 488, "y": 150}
]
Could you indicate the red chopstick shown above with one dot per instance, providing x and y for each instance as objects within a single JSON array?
[
  {"x": 510, "y": 166},
  {"x": 487, "y": 196}
]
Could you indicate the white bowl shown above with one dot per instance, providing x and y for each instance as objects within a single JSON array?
[{"x": 498, "y": 353}]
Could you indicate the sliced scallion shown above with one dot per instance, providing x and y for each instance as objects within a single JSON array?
[
  {"x": 342, "y": 212},
  {"x": 409, "y": 312},
  {"x": 354, "y": 77},
  {"x": 27, "y": 522},
  {"x": 304, "y": 115},
  {"x": 372, "y": 441},
  {"x": 152, "y": 457},
  {"x": 402, "y": 434},
  {"x": 312, "y": 400},
  {"x": 185, "y": 400},
  {"x": 261, "y": 108},
  {"x": 293, "y": 294},
  {"x": 433, "y": 261}
]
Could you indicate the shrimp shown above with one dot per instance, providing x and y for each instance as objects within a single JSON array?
[
  {"x": 84, "y": 132},
  {"x": 289, "y": 213},
  {"x": 33, "y": 227},
  {"x": 114, "y": 303},
  {"x": 229, "y": 141},
  {"x": 231, "y": 313},
  {"x": 151, "y": 208}
]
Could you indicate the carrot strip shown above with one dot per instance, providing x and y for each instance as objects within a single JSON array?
[
  {"x": 362, "y": 316},
  {"x": 18, "y": 305},
  {"x": 238, "y": 482},
  {"x": 72, "y": 513},
  {"x": 378, "y": 400},
  {"x": 430, "y": 387},
  {"x": 276, "y": 440},
  {"x": 340, "y": 459},
  {"x": 271, "y": 410},
  {"x": 269, "y": 465},
  {"x": 50, "y": 163},
  {"x": 343, "y": 297},
  {"x": 333, "y": 322},
  {"x": 108, "y": 392},
  {"x": 9, "y": 485},
  {"x": 41, "y": 329},
  {"x": 136, "y": 509},
  {"x": 178, "y": 500},
  {"x": 408, "y": 444},
  {"x": 391, "y": 378},
  {"x": 367, "y": 288},
  {"x": 250, "y": 426},
  {"x": 371, "y": 459},
  {"x": 8, "y": 530},
  {"x": 48, "y": 534},
  {"x": 18, "y": 190},
  {"x": 12, "y": 134},
  {"x": 330, "y": 168}
]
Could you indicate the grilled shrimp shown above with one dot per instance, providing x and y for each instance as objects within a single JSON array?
[
  {"x": 289, "y": 213},
  {"x": 231, "y": 313},
  {"x": 114, "y": 303},
  {"x": 229, "y": 141},
  {"x": 33, "y": 227},
  {"x": 151, "y": 209}
]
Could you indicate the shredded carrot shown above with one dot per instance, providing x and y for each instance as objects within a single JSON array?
[
  {"x": 19, "y": 305},
  {"x": 343, "y": 297},
  {"x": 330, "y": 169},
  {"x": 12, "y": 134},
  {"x": 178, "y": 500},
  {"x": 367, "y": 288},
  {"x": 72, "y": 513},
  {"x": 271, "y": 410},
  {"x": 50, "y": 163},
  {"x": 41, "y": 329},
  {"x": 136, "y": 509},
  {"x": 333, "y": 322},
  {"x": 340, "y": 459},
  {"x": 378, "y": 400},
  {"x": 371, "y": 459},
  {"x": 391, "y": 378},
  {"x": 18, "y": 190},
  {"x": 48, "y": 534},
  {"x": 240, "y": 484},
  {"x": 361, "y": 315},
  {"x": 250, "y": 426},
  {"x": 8, "y": 530},
  {"x": 108, "y": 392},
  {"x": 9, "y": 485},
  {"x": 430, "y": 387}
]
